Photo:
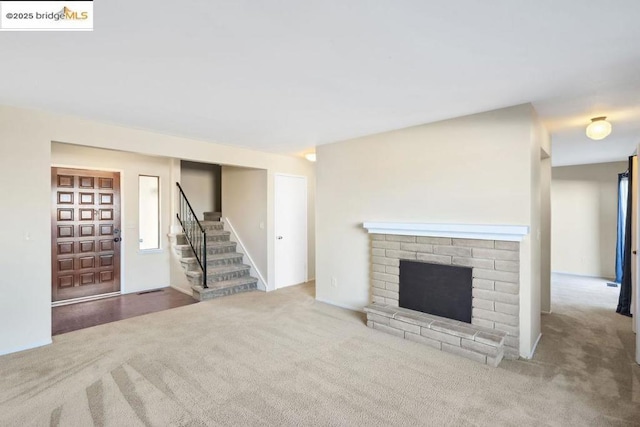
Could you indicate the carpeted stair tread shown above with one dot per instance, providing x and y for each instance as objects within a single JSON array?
[
  {"x": 230, "y": 283},
  {"x": 215, "y": 243},
  {"x": 212, "y": 216},
  {"x": 223, "y": 256},
  {"x": 225, "y": 288},
  {"x": 214, "y": 257},
  {"x": 217, "y": 235},
  {"x": 208, "y": 225},
  {"x": 218, "y": 232},
  {"x": 211, "y": 223},
  {"x": 227, "y": 269},
  {"x": 215, "y": 260},
  {"x": 223, "y": 269},
  {"x": 210, "y": 244}
]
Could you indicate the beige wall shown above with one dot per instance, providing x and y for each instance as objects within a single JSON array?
[
  {"x": 25, "y": 153},
  {"x": 25, "y": 256},
  {"x": 545, "y": 222},
  {"x": 141, "y": 270},
  {"x": 244, "y": 201},
  {"x": 545, "y": 238},
  {"x": 584, "y": 218},
  {"x": 476, "y": 170},
  {"x": 537, "y": 243},
  {"x": 201, "y": 184}
]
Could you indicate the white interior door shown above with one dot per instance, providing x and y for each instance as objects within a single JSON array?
[{"x": 290, "y": 230}]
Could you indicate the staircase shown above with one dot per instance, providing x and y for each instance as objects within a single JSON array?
[{"x": 226, "y": 274}]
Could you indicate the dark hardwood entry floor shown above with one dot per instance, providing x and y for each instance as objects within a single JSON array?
[{"x": 72, "y": 317}]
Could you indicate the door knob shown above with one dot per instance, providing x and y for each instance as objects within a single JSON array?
[
  {"x": 279, "y": 237},
  {"x": 117, "y": 239}
]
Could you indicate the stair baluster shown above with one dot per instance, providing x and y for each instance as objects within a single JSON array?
[{"x": 194, "y": 233}]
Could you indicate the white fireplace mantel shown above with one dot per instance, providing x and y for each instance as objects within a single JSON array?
[{"x": 513, "y": 233}]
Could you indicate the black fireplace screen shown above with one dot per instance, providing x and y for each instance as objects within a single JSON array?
[{"x": 441, "y": 290}]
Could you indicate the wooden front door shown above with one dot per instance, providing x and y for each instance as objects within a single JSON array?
[{"x": 85, "y": 233}]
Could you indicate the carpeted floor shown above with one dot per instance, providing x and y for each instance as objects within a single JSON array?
[{"x": 283, "y": 359}]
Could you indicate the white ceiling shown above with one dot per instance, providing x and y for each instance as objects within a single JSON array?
[{"x": 285, "y": 75}]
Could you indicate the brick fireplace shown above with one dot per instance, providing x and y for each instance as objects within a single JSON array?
[{"x": 493, "y": 254}]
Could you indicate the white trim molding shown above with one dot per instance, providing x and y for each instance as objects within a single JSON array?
[
  {"x": 514, "y": 233},
  {"x": 535, "y": 346},
  {"x": 341, "y": 305},
  {"x": 262, "y": 284}
]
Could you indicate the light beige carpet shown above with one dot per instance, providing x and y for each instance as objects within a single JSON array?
[{"x": 283, "y": 359}]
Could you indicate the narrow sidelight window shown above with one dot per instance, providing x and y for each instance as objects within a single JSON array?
[{"x": 149, "y": 212}]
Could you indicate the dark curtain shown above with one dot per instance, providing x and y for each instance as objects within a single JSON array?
[
  {"x": 623, "y": 190},
  {"x": 624, "y": 302}
]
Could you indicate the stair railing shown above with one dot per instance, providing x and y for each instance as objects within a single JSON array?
[{"x": 194, "y": 233}]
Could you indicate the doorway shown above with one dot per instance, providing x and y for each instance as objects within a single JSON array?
[
  {"x": 585, "y": 242},
  {"x": 85, "y": 233},
  {"x": 290, "y": 230}
]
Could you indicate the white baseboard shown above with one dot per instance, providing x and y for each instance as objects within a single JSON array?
[
  {"x": 337, "y": 304},
  {"x": 26, "y": 347},
  {"x": 535, "y": 346},
  {"x": 566, "y": 273},
  {"x": 262, "y": 283}
]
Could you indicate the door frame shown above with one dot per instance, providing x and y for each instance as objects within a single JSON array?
[
  {"x": 306, "y": 220},
  {"x": 122, "y": 242},
  {"x": 634, "y": 188}
]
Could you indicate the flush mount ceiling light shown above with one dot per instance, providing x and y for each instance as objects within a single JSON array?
[
  {"x": 310, "y": 156},
  {"x": 599, "y": 128}
]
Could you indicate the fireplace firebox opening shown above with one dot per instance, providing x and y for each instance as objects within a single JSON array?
[{"x": 441, "y": 290}]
